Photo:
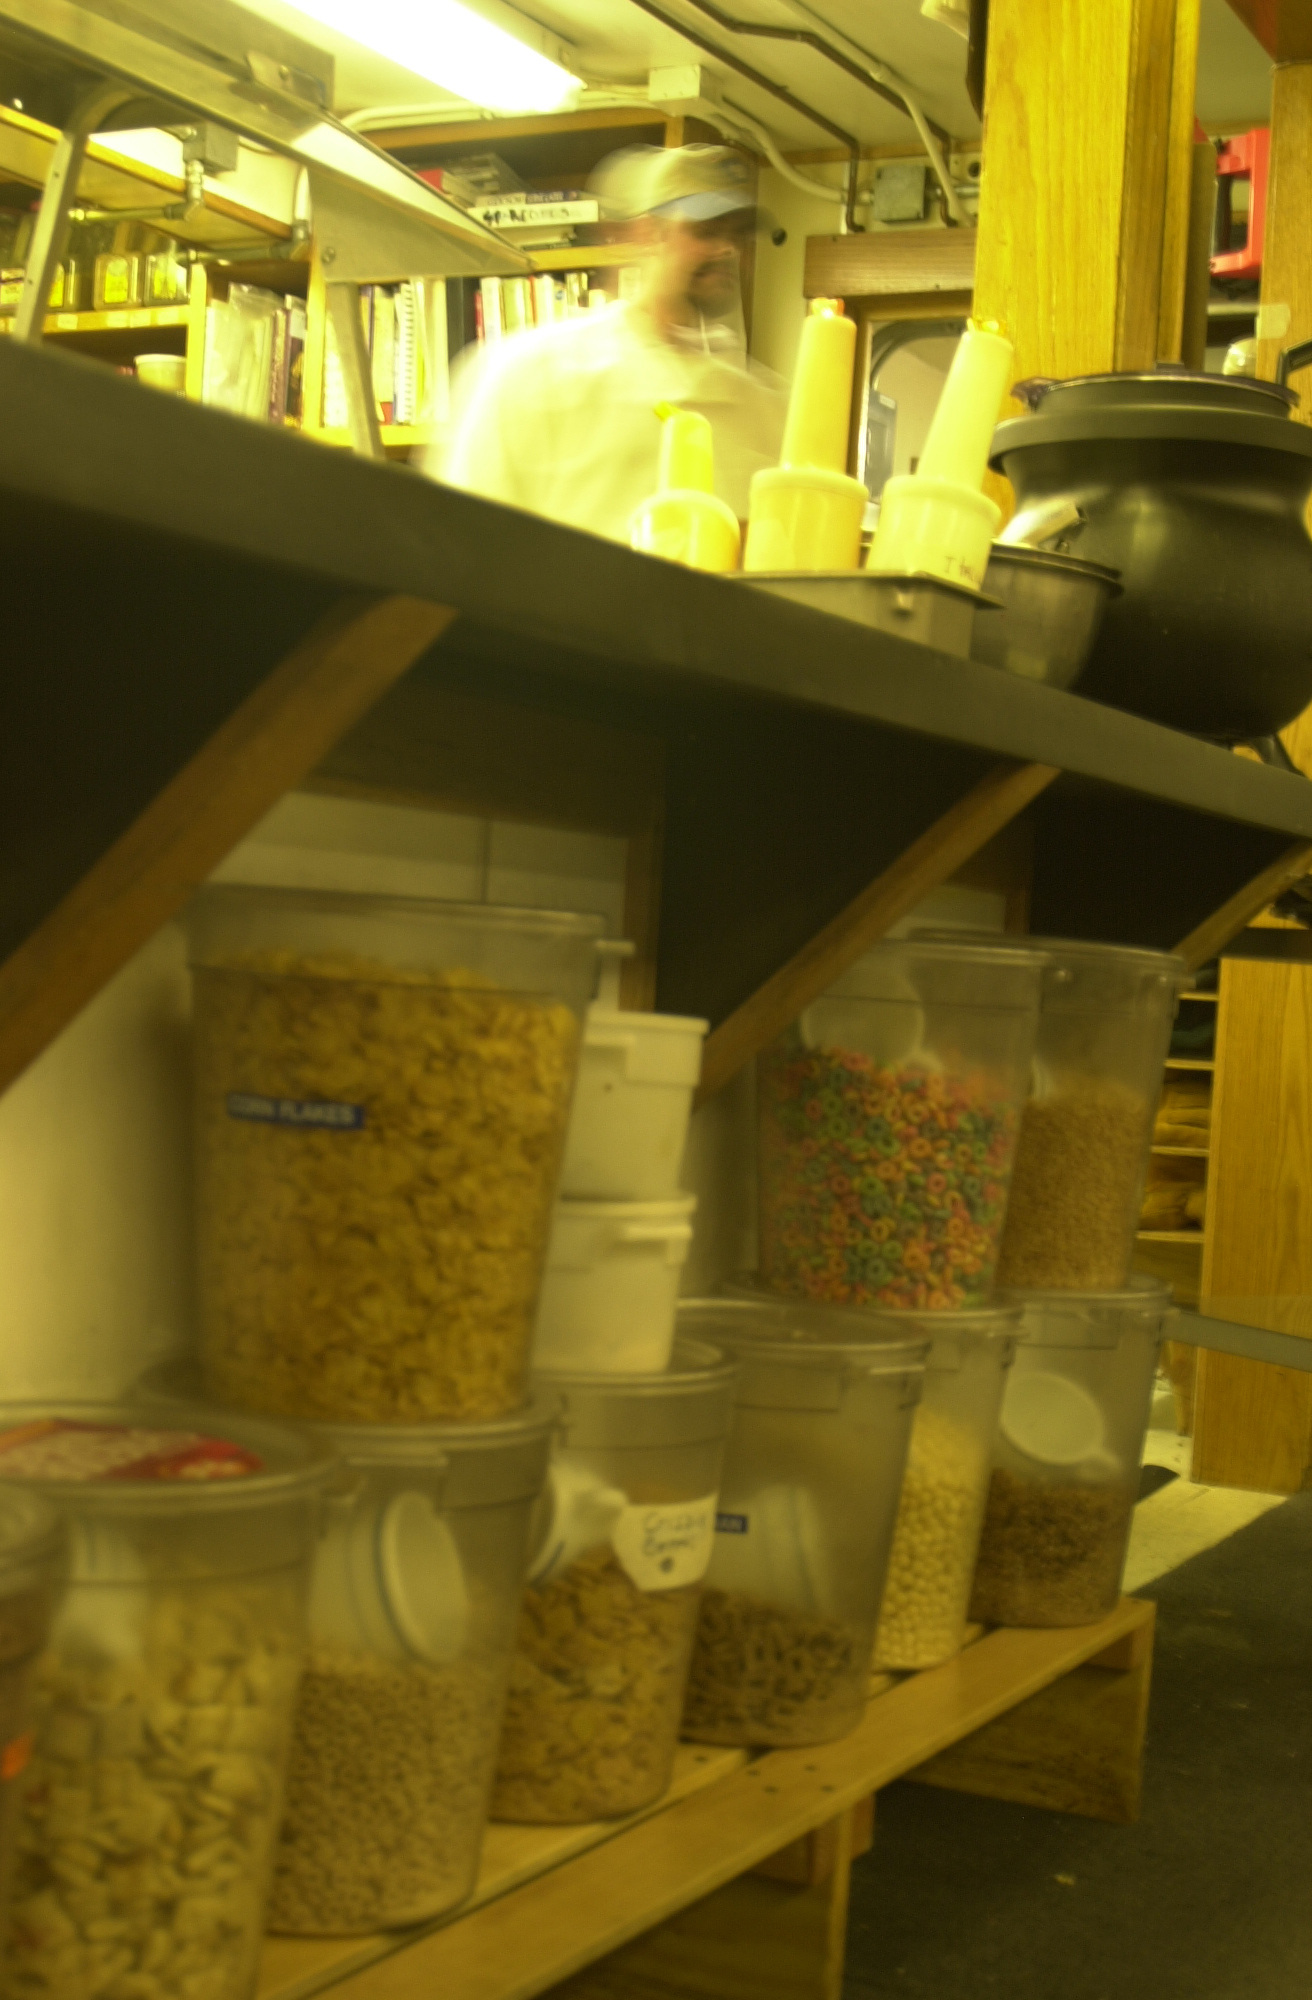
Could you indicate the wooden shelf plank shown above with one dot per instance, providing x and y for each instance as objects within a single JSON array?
[
  {"x": 126, "y": 320},
  {"x": 293, "y": 1968},
  {"x": 1200, "y": 996},
  {"x": 1183, "y": 1152},
  {"x": 588, "y": 257},
  {"x": 521, "y": 1944},
  {"x": 1190, "y": 1062},
  {"x": 1170, "y": 1235}
]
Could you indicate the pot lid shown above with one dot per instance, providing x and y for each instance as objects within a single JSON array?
[
  {"x": 1024, "y": 557},
  {"x": 1122, "y": 388}
]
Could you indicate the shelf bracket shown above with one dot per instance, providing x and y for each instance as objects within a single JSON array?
[
  {"x": 1216, "y": 931},
  {"x": 929, "y": 861},
  {"x": 343, "y": 300},
  {"x": 57, "y": 197}
]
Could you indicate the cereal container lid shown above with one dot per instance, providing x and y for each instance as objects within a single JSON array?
[
  {"x": 139, "y": 1458},
  {"x": 944, "y": 1333}
]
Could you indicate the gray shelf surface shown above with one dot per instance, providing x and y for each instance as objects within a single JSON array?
[{"x": 162, "y": 558}]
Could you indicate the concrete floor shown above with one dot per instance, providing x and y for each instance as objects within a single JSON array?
[{"x": 1209, "y": 1896}]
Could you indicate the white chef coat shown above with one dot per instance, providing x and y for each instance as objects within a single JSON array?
[{"x": 561, "y": 419}]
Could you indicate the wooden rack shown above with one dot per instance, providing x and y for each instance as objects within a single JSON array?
[{"x": 752, "y": 1852}]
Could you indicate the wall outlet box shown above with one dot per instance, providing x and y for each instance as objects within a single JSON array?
[{"x": 899, "y": 192}]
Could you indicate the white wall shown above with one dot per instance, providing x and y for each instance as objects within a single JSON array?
[{"x": 778, "y": 307}]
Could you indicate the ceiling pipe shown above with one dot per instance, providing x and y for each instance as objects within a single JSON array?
[
  {"x": 768, "y": 83},
  {"x": 809, "y": 39}
]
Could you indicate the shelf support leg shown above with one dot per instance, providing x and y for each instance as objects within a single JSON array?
[
  {"x": 1216, "y": 931},
  {"x": 51, "y": 231},
  {"x": 357, "y": 371}
]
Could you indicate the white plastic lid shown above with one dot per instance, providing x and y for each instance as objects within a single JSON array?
[{"x": 1050, "y": 1418}]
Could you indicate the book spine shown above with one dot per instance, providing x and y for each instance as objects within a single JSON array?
[
  {"x": 294, "y": 410},
  {"x": 490, "y": 292},
  {"x": 277, "y": 411}
]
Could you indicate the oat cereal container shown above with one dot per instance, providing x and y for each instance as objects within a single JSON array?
[
  {"x": 1085, "y": 1132},
  {"x": 1066, "y": 1464},
  {"x": 31, "y": 1571},
  {"x": 887, "y": 1125},
  {"x": 148, "y": 1815},
  {"x": 413, "y": 1611},
  {"x": 606, "y": 1631},
  {"x": 382, "y": 1090},
  {"x": 822, "y": 1420}
]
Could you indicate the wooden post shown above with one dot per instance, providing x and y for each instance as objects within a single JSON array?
[
  {"x": 1084, "y": 114},
  {"x": 1285, "y": 317}
]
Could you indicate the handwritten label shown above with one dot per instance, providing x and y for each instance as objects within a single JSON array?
[
  {"x": 313, "y": 1112},
  {"x": 663, "y": 1547}
]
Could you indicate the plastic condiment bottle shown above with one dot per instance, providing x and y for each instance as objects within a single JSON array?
[
  {"x": 684, "y": 521},
  {"x": 936, "y": 520},
  {"x": 806, "y": 513}
]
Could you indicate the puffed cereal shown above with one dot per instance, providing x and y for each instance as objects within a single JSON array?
[
  {"x": 378, "y": 1155},
  {"x": 923, "y": 1617}
]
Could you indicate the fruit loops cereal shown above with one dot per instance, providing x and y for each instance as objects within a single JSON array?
[
  {"x": 377, "y": 1153},
  {"x": 880, "y": 1187}
]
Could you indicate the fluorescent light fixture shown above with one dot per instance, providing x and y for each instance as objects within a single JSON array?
[{"x": 457, "y": 49}]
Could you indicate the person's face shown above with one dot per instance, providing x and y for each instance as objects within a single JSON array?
[{"x": 697, "y": 263}]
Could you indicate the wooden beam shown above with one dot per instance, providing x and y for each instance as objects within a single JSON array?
[
  {"x": 884, "y": 261},
  {"x": 1179, "y": 184},
  {"x": 1215, "y": 931},
  {"x": 1283, "y": 27},
  {"x": 927, "y": 863},
  {"x": 1073, "y": 192},
  {"x": 1075, "y": 1747},
  {"x": 264, "y": 748}
]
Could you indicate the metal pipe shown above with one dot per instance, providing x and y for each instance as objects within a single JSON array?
[{"x": 778, "y": 90}]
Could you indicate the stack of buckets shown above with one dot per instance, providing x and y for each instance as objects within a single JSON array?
[{"x": 622, "y": 1227}]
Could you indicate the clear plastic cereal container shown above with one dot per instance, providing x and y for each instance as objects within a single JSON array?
[
  {"x": 888, "y": 1121},
  {"x": 382, "y": 1089},
  {"x": 149, "y": 1813},
  {"x": 1066, "y": 1463},
  {"x": 606, "y": 1630},
  {"x": 413, "y": 1611},
  {"x": 1085, "y": 1133},
  {"x": 31, "y": 1568},
  {"x": 812, "y": 1472}
]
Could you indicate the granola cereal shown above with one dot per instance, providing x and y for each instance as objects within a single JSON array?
[
  {"x": 762, "y": 1674},
  {"x": 1051, "y": 1555},
  {"x": 378, "y": 1152},
  {"x": 596, "y": 1687},
  {"x": 1080, "y": 1158},
  {"x": 387, "y": 1792},
  {"x": 150, "y": 1807}
]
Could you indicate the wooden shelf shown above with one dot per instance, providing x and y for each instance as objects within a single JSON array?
[
  {"x": 392, "y": 435},
  {"x": 1200, "y": 996},
  {"x": 1190, "y": 1062},
  {"x": 551, "y": 1900},
  {"x": 130, "y": 319},
  {"x": 588, "y": 257},
  {"x": 1182, "y": 1152},
  {"x": 1169, "y": 1235}
]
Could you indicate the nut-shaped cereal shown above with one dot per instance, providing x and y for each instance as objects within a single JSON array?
[{"x": 378, "y": 1153}]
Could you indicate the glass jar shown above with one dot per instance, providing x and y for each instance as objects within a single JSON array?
[
  {"x": 31, "y": 1567},
  {"x": 606, "y": 1630},
  {"x": 382, "y": 1089},
  {"x": 1086, "y": 1130},
  {"x": 888, "y": 1120},
  {"x": 149, "y": 1812},
  {"x": 821, "y": 1422},
  {"x": 413, "y": 1611},
  {"x": 1066, "y": 1462}
]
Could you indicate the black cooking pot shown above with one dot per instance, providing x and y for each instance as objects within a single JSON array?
[{"x": 1194, "y": 487}]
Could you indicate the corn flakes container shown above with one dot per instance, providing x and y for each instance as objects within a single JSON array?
[
  {"x": 382, "y": 1092},
  {"x": 148, "y": 1814},
  {"x": 31, "y": 1560}
]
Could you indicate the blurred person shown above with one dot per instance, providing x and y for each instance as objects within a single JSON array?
[{"x": 561, "y": 419}]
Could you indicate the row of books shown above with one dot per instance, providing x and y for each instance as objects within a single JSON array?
[
  {"x": 405, "y": 329},
  {"x": 255, "y": 355},
  {"x": 508, "y": 305}
]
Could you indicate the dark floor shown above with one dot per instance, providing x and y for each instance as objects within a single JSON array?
[{"x": 1209, "y": 1897}]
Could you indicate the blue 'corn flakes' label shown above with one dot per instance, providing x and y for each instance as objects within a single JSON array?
[{"x": 305, "y": 1112}]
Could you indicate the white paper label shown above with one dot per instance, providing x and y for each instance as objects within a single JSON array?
[
  {"x": 1272, "y": 322},
  {"x": 662, "y": 1547}
]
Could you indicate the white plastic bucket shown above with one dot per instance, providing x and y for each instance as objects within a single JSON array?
[
  {"x": 612, "y": 1285},
  {"x": 629, "y": 1122}
]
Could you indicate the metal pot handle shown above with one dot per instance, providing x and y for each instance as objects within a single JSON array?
[{"x": 1292, "y": 360}]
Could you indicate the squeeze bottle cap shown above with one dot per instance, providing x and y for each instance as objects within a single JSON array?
[{"x": 687, "y": 455}]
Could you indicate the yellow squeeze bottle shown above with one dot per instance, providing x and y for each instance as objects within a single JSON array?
[
  {"x": 806, "y": 513},
  {"x": 683, "y": 521}
]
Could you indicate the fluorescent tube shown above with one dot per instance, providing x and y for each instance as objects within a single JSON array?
[{"x": 452, "y": 46}]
